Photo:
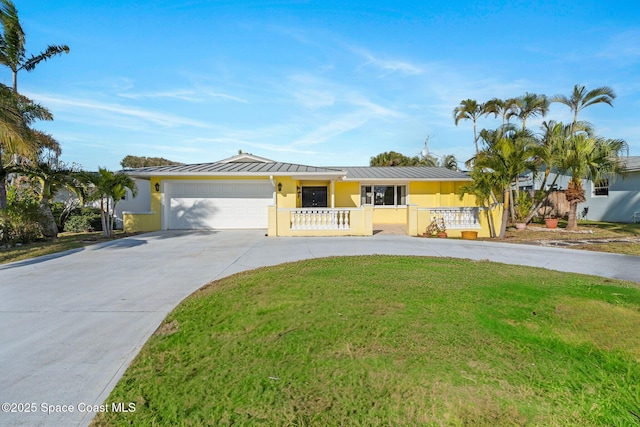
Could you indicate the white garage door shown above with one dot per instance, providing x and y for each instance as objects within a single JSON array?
[{"x": 217, "y": 204}]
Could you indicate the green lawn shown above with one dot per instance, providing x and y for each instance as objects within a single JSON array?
[{"x": 368, "y": 341}]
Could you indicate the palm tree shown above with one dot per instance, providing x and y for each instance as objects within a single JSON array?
[
  {"x": 529, "y": 105},
  {"x": 508, "y": 153},
  {"x": 587, "y": 157},
  {"x": 581, "y": 98},
  {"x": 109, "y": 188},
  {"x": 470, "y": 109},
  {"x": 51, "y": 178},
  {"x": 12, "y": 44},
  {"x": 482, "y": 186},
  {"x": 17, "y": 114},
  {"x": 15, "y": 136},
  {"x": 450, "y": 162}
]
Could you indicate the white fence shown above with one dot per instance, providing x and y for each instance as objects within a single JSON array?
[{"x": 456, "y": 218}]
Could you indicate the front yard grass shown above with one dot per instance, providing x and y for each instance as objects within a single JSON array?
[{"x": 384, "y": 340}]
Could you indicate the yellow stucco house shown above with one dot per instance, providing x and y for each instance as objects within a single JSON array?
[{"x": 285, "y": 199}]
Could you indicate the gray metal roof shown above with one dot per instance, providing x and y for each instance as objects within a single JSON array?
[
  {"x": 414, "y": 173},
  {"x": 350, "y": 173},
  {"x": 632, "y": 163},
  {"x": 242, "y": 168}
]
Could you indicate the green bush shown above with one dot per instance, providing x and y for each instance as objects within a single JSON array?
[
  {"x": 20, "y": 221},
  {"x": 83, "y": 219}
]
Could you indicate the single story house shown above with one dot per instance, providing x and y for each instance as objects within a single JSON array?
[
  {"x": 285, "y": 199},
  {"x": 611, "y": 200}
]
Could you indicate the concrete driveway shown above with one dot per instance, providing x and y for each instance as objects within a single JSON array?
[{"x": 71, "y": 323}]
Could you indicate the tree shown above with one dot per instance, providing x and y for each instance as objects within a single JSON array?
[
  {"x": 508, "y": 153},
  {"x": 17, "y": 113},
  {"x": 581, "y": 98},
  {"x": 529, "y": 105},
  {"x": 15, "y": 135},
  {"x": 12, "y": 44},
  {"x": 109, "y": 188},
  {"x": 482, "y": 187},
  {"x": 392, "y": 158},
  {"x": 51, "y": 177},
  {"x": 502, "y": 108},
  {"x": 548, "y": 153},
  {"x": 450, "y": 162},
  {"x": 587, "y": 157},
  {"x": 470, "y": 109},
  {"x": 132, "y": 162}
]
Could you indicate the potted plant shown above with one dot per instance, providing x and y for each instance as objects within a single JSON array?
[
  {"x": 551, "y": 222},
  {"x": 437, "y": 228}
]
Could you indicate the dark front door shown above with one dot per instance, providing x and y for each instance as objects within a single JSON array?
[{"x": 314, "y": 197}]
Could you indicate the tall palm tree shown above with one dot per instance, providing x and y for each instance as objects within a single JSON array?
[
  {"x": 581, "y": 98},
  {"x": 504, "y": 108},
  {"x": 12, "y": 44},
  {"x": 109, "y": 187},
  {"x": 587, "y": 157},
  {"x": 470, "y": 109},
  {"x": 529, "y": 105}
]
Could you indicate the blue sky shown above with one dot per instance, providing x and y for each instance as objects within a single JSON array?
[{"x": 315, "y": 82}]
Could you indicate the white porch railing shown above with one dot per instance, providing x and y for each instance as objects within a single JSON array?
[
  {"x": 320, "y": 219},
  {"x": 456, "y": 218}
]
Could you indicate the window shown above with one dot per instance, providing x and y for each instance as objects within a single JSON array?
[
  {"x": 601, "y": 188},
  {"x": 383, "y": 195}
]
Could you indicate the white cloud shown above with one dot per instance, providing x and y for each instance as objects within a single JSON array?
[
  {"x": 389, "y": 65},
  {"x": 109, "y": 111}
]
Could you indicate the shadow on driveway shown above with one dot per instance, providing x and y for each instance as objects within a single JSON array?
[
  {"x": 38, "y": 260},
  {"x": 114, "y": 244}
]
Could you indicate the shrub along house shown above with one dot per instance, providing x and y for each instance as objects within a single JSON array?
[{"x": 285, "y": 199}]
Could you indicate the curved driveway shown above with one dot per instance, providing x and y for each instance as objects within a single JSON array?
[{"x": 71, "y": 323}]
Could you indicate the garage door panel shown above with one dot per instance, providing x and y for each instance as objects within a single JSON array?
[{"x": 200, "y": 205}]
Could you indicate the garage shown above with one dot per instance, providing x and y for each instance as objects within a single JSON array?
[{"x": 216, "y": 204}]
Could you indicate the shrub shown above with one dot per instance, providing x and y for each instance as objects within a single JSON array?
[
  {"x": 83, "y": 219},
  {"x": 20, "y": 221}
]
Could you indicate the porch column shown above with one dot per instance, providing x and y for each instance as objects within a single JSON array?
[{"x": 333, "y": 195}]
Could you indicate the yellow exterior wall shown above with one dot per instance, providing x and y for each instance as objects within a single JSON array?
[
  {"x": 141, "y": 222},
  {"x": 438, "y": 194},
  {"x": 287, "y": 197},
  {"x": 347, "y": 194},
  {"x": 389, "y": 215}
]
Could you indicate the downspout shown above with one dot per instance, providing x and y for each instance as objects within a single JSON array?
[
  {"x": 273, "y": 182},
  {"x": 275, "y": 200}
]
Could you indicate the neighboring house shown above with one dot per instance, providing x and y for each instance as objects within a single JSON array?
[
  {"x": 613, "y": 200},
  {"x": 247, "y": 191}
]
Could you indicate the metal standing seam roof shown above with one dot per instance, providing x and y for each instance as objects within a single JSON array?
[
  {"x": 414, "y": 173},
  {"x": 350, "y": 173},
  {"x": 233, "y": 168}
]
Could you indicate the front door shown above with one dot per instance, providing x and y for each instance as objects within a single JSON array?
[{"x": 314, "y": 197}]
